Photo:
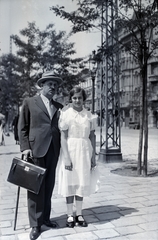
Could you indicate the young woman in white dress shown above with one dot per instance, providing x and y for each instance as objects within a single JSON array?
[{"x": 76, "y": 161}]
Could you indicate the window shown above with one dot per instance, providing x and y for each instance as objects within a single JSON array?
[{"x": 154, "y": 69}]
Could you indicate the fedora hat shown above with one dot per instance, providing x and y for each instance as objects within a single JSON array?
[{"x": 48, "y": 76}]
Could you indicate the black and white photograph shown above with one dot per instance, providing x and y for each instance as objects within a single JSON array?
[{"x": 78, "y": 119}]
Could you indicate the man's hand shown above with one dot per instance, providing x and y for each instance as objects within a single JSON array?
[{"x": 27, "y": 153}]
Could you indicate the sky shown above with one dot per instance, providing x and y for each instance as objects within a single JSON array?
[{"x": 15, "y": 15}]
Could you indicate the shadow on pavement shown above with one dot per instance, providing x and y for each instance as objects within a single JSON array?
[{"x": 99, "y": 215}]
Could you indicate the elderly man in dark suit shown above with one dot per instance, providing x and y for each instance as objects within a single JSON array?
[{"x": 40, "y": 138}]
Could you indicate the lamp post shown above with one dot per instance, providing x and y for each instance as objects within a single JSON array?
[
  {"x": 93, "y": 74},
  {"x": 92, "y": 67}
]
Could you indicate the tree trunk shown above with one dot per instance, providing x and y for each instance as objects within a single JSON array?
[
  {"x": 139, "y": 163},
  {"x": 145, "y": 158}
]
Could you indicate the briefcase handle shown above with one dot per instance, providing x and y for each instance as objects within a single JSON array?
[{"x": 28, "y": 159}]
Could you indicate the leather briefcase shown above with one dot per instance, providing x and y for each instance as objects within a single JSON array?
[{"x": 26, "y": 175}]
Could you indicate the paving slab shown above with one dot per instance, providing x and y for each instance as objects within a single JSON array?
[{"x": 124, "y": 208}]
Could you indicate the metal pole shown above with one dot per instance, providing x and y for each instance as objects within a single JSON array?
[
  {"x": 16, "y": 208},
  {"x": 93, "y": 94},
  {"x": 110, "y": 146}
]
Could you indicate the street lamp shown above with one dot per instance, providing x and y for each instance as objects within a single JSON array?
[
  {"x": 92, "y": 67},
  {"x": 92, "y": 61}
]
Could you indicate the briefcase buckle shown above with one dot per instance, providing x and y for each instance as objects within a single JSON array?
[{"x": 26, "y": 169}]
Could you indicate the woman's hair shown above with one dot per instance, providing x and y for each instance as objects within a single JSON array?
[{"x": 77, "y": 90}]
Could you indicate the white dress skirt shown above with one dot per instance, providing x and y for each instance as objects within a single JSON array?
[{"x": 78, "y": 181}]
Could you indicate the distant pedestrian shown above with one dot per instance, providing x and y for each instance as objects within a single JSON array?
[
  {"x": 15, "y": 129},
  {"x": 2, "y": 123}
]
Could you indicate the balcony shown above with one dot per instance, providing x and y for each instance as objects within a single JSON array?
[
  {"x": 153, "y": 78},
  {"x": 124, "y": 105},
  {"x": 154, "y": 98}
]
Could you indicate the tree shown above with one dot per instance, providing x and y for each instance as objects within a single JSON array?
[
  {"x": 37, "y": 52},
  {"x": 142, "y": 29},
  {"x": 43, "y": 51},
  {"x": 85, "y": 16},
  {"x": 9, "y": 85}
]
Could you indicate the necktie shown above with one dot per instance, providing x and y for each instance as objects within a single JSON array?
[{"x": 50, "y": 109}]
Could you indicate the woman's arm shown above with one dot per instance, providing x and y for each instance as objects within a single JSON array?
[
  {"x": 64, "y": 147},
  {"x": 92, "y": 138}
]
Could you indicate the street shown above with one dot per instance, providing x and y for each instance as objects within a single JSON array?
[
  {"x": 124, "y": 208},
  {"x": 129, "y": 143}
]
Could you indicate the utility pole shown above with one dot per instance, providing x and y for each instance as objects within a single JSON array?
[{"x": 110, "y": 134}]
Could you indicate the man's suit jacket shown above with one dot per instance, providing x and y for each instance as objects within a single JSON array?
[{"x": 36, "y": 129}]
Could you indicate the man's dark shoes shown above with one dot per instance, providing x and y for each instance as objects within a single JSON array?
[
  {"x": 81, "y": 221},
  {"x": 35, "y": 232},
  {"x": 50, "y": 224}
]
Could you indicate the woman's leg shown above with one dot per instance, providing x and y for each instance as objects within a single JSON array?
[
  {"x": 69, "y": 203},
  {"x": 70, "y": 219},
  {"x": 79, "y": 201},
  {"x": 79, "y": 218}
]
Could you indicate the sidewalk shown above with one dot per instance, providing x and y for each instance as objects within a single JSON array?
[{"x": 124, "y": 208}]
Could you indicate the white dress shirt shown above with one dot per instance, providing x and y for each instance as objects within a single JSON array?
[{"x": 47, "y": 104}]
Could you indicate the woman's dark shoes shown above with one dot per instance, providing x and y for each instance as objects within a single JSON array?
[
  {"x": 50, "y": 224},
  {"x": 35, "y": 232},
  {"x": 70, "y": 222},
  {"x": 81, "y": 221}
]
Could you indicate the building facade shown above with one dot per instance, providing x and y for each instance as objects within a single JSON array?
[{"x": 129, "y": 87}]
